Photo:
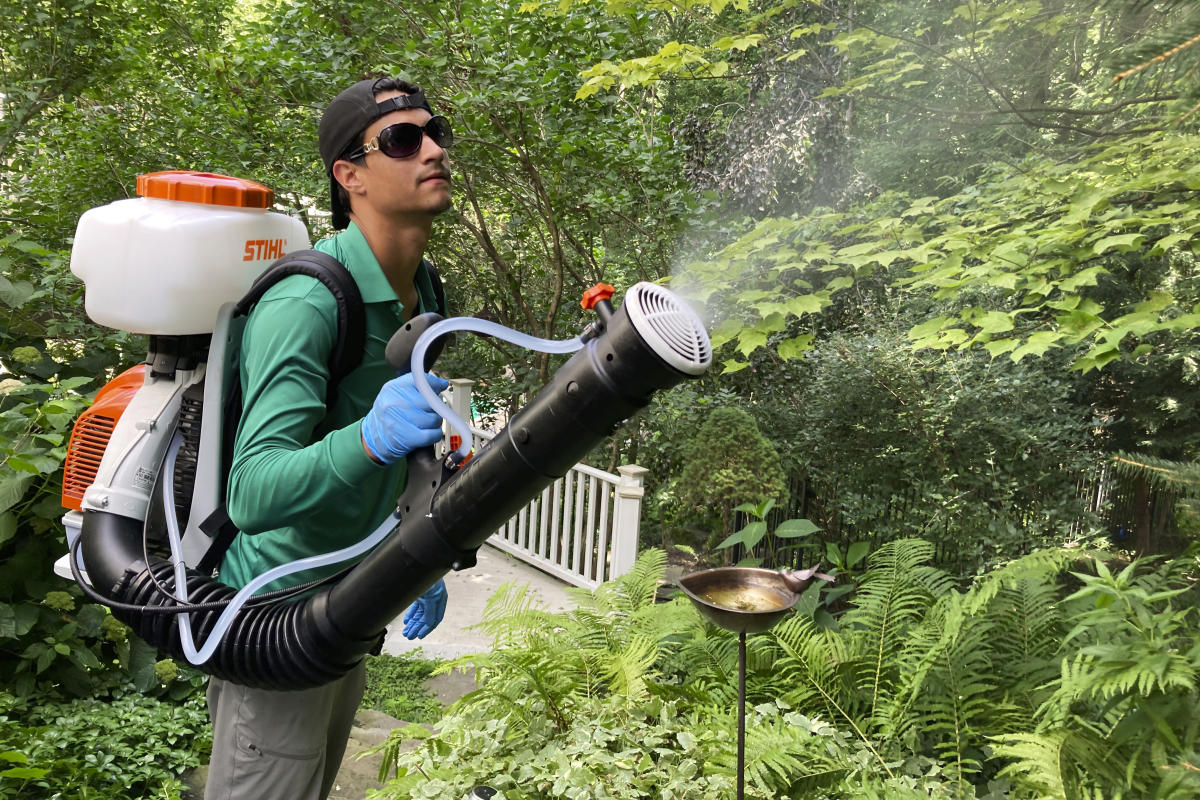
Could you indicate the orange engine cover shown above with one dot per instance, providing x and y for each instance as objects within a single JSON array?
[{"x": 91, "y": 433}]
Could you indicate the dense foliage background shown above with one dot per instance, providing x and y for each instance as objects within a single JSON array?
[{"x": 947, "y": 254}]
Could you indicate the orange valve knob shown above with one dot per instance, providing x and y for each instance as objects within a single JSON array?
[{"x": 601, "y": 291}]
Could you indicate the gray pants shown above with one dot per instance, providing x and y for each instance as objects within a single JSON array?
[{"x": 273, "y": 745}]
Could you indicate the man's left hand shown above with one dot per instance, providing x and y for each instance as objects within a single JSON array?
[{"x": 425, "y": 614}]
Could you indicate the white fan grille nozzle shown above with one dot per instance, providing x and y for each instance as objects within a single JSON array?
[{"x": 669, "y": 327}]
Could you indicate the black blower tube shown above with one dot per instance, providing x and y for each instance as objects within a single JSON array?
[{"x": 444, "y": 515}]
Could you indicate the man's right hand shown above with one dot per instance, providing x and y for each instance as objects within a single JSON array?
[{"x": 401, "y": 421}]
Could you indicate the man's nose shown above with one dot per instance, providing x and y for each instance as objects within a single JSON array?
[{"x": 431, "y": 150}]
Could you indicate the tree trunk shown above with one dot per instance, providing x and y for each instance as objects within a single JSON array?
[{"x": 1141, "y": 515}]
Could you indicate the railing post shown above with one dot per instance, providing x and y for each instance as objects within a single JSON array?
[
  {"x": 460, "y": 401},
  {"x": 627, "y": 514}
]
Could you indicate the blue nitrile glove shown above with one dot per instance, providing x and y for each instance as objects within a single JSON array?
[
  {"x": 425, "y": 614},
  {"x": 401, "y": 421}
]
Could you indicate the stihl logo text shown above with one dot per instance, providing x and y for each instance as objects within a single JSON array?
[{"x": 259, "y": 249}]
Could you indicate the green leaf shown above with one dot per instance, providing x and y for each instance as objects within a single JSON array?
[
  {"x": 1085, "y": 277},
  {"x": 750, "y": 339},
  {"x": 1157, "y": 301},
  {"x": 748, "y": 536},
  {"x": 1085, "y": 199},
  {"x": 17, "y": 620},
  {"x": 796, "y": 346},
  {"x": 12, "y": 488},
  {"x": 1167, "y": 242},
  {"x": 8, "y": 526},
  {"x": 1079, "y": 324},
  {"x": 993, "y": 322},
  {"x": 142, "y": 658},
  {"x": 807, "y": 304},
  {"x": 1000, "y": 346},
  {"x": 856, "y": 553},
  {"x": 15, "y": 293},
  {"x": 795, "y": 529},
  {"x": 1123, "y": 241},
  {"x": 1096, "y": 358},
  {"x": 1037, "y": 344},
  {"x": 727, "y": 331},
  {"x": 738, "y": 42},
  {"x": 928, "y": 328}
]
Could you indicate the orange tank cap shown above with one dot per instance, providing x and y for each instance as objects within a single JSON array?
[
  {"x": 601, "y": 291},
  {"x": 205, "y": 187}
]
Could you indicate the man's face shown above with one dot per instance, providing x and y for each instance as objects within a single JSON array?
[{"x": 418, "y": 184}]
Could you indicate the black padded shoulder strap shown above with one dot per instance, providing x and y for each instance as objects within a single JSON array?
[{"x": 351, "y": 338}]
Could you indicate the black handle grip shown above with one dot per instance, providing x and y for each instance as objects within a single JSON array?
[{"x": 400, "y": 347}]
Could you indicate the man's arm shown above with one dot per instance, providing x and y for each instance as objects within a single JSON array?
[{"x": 280, "y": 475}]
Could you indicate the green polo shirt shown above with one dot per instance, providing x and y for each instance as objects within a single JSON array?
[{"x": 301, "y": 483}]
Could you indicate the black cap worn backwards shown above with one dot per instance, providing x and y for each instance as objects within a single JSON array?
[{"x": 343, "y": 123}]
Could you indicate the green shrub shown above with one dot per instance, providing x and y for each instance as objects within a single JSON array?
[
  {"x": 727, "y": 462},
  {"x": 1014, "y": 688},
  {"x": 396, "y": 686},
  {"x": 131, "y": 747}
]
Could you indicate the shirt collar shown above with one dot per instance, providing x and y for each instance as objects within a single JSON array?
[{"x": 350, "y": 247}]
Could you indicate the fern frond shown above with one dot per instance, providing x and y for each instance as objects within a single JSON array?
[
  {"x": 947, "y": 692},
  {"x": 628, "y": 670},
  {"x": 1105, "y": 672},
  {"x": 811, "y": 663},
  {"x": 1040, "y": 566},
  {"x": 894, "y": 595},
  {"x": 710, "y": 660},
  {"x": 780, "y": 752},
  {"x": 1058, "y": 763},
  {"x": 1039, "y": 762},
  {"x": 1027, "y": 629},
  {"x": 814, "y": 662},
  {"x": 635, "y": 589},
  {"x": 543, "y": 663},
  {"x": 511, "y": 612},
  {"x": 1161, "y": 473}
]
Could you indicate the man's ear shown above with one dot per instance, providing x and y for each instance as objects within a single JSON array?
[{"x": 346, "y": 173}]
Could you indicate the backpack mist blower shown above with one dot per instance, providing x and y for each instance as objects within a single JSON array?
[{"x": 167, "y": 270}]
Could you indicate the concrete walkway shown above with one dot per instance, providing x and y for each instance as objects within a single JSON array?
[{"x": 469, "y": 592}]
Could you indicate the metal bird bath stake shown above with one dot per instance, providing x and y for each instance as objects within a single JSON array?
[{"x": 745, "y": 600}]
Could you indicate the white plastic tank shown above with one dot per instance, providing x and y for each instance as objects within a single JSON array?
[{"x": 164, "y": 262}]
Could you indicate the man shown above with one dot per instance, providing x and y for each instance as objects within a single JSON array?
[{"x": 310, "y": 478}]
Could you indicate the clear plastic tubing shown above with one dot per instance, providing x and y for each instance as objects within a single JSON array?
[
  {"x": 187, "y": 640},
  {"x": 421, "y": 380},
  {"x": 198, "y": 657}
]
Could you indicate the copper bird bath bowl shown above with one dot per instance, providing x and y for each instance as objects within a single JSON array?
[
  {"x": 745, "y": 600},
  {"x": 740, "y": 599}
]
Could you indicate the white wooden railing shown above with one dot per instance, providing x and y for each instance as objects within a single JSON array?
[{"x": 583, "y": 528}]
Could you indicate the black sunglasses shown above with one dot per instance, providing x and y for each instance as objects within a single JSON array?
[{"x": 404, "y": 138}]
